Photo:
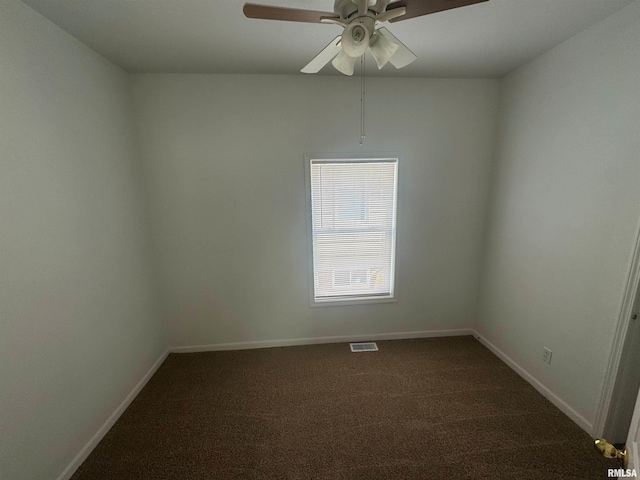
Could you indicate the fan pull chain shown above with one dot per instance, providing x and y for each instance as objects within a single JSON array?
[{"x": 362, "y": 99}]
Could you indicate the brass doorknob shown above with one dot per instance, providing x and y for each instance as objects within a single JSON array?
[{"x": 609, "y": 451}]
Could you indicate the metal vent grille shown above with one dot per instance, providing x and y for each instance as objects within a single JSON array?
[{"x": 364, "y": 347}]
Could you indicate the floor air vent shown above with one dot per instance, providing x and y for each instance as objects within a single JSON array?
[{"x": 364, "y": 347}]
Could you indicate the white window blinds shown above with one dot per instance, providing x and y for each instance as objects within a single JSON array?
[{"x": 353, "y": 223}]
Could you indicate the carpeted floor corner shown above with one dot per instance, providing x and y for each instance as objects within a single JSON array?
[{"x": 438, "y": 408}]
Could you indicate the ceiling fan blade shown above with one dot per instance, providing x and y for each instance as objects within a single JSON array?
[
  {"x": 324, "y": 57},
  {"x": 344, "y": 63},
  {"x": 252, "y": 10},
  {"x": 382, "y": 49},
  {"x": 417, "y": 8},
  {"x": 403, "y": 55}
]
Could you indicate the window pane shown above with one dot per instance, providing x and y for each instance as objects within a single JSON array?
[{"x": 353, "y": 208}]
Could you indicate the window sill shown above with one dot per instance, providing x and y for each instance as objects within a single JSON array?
[{"x": 352, "y": 301}]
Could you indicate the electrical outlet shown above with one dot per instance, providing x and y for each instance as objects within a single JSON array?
[{"x": 546, "y": 355}]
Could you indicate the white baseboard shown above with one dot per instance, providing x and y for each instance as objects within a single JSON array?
[
  {"x": 563, "y": 406},
  {"x": 316, "y": 340},
  {"x": 113, "y": 418}
]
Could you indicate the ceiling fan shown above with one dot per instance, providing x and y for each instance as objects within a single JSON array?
[{"x": 359, "y": 19}]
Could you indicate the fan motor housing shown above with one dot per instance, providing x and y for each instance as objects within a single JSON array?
[{"x": 347, "y": 8}]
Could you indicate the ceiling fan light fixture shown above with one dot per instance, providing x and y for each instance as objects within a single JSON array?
[
  {"x": 344, "y": 63},
  {"x": 356, "y": 36},
  {"x": 403, "y": 55},
  {"x": 382, "y": 49}
]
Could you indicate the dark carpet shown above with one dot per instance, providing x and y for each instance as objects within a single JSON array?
[{"x": 439, "y": 408}]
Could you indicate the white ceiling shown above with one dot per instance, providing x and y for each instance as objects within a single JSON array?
[{"x": 213, "y": 36}]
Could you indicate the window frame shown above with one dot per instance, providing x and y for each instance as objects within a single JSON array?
[{"x": 349, "y": 157}]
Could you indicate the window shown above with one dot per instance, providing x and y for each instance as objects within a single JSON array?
[{"x": 353, "y": 228}]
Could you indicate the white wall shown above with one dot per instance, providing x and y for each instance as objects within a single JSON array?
[
  {"x": 565, "y": 208},
  {"x": 224, "y": 160},
  {"x": 77, "y": 322}
]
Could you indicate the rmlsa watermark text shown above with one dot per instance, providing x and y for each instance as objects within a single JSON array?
[{"x": 622, "y": 473}]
